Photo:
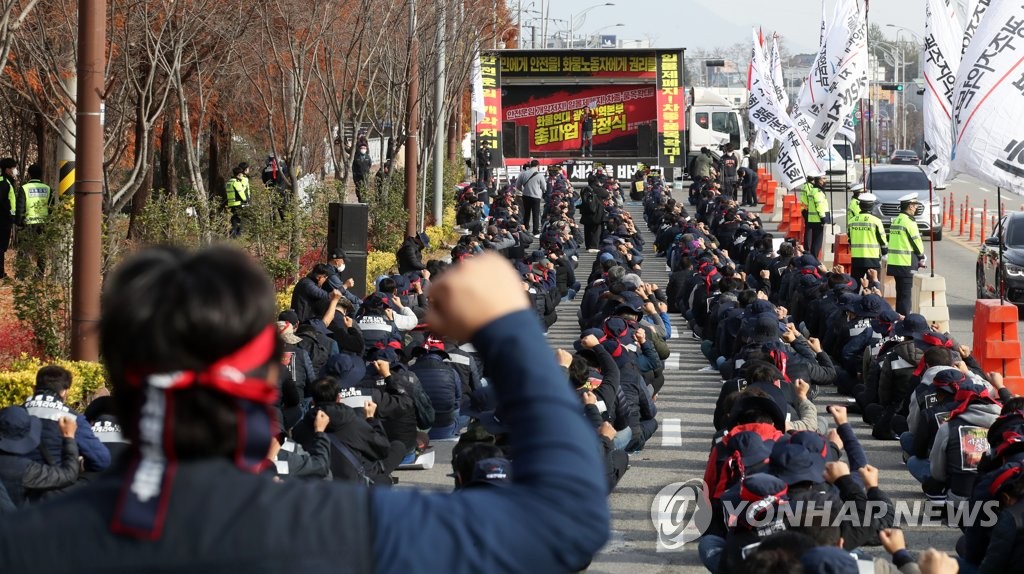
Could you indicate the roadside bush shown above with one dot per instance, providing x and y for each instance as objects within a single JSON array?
[{"x": 86, "y": 378}]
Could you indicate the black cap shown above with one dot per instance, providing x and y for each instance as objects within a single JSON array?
[
  {"x": 290, "y": 316},
  {"x": 336, "y": 253}
]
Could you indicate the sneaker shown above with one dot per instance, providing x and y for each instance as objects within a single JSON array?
[
  {"x": 708, "y": 369},
  {"x": 593, "y": 250},
  {"x": 695, "y": 336}
]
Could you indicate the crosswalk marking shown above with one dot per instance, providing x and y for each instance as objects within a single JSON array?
[{"x": 671, "y": 432}]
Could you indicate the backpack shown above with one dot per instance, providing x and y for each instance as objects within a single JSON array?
[
  {"x": 588, "y": 201},
  {"x": 316, "y": 344},
  {"x": 410, "y": 383}
]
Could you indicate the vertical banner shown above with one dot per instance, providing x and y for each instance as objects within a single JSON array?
[
  {"x": 989, "y": 100},
  {"x": 849, "y": 80},
  {"x": 671, "y": 105},
  {"x": 488, "y": 129},
  {"x": 941, "y": 61}
]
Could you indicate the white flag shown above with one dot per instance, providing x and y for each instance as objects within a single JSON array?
[
  {"x": 778, "y": 80},
  {"x": 813, "y": 89},
  {"x": 989, "y": 100},
  {"x": 850, "y": 79},
  {"x": 477, "y": 106},
  {"x": 972, "y": 12},
  {"x": 940, "y": 62},
  {"x": 796, "y": 157}
]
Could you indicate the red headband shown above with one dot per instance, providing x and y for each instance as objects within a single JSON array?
[
  {"x": 229, "y": 375},
  {"x": 1003, "y": 478},
  {"x": 144, "y": 500}
]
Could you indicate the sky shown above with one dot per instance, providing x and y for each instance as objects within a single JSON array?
[{"x": 694, "y": 24}]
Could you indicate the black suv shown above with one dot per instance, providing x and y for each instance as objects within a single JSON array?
[{"x": 1008, "y": 276}]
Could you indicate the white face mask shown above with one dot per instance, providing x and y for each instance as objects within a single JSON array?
[
  {"x": 362, "y": 150},
  {"x": 341, "y": 268},
  {"x": 14, "y": 172}
]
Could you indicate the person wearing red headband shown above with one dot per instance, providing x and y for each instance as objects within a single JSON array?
[{"x": 192, "y": 353}]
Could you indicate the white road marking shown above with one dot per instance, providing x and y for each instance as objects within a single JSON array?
[
  {"x": 672, "y": 362},
  {"x": 671, "y": 432},
  {"x": 985, "y": 189}
]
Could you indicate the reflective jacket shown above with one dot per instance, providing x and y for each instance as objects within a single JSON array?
[
  {"x": 32, "y": 205},
  {"x": 236, "y": 191},
  {"x": 867, "y": 237},
  {"x": 904, "y": 242}
]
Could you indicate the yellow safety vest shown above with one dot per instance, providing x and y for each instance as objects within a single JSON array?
[
  {"x": 817, "y": 205},
  {"x": 854, "y": 208},
  {"x": 904, "y": 241},
  {"x": 865, "y": 230},
  {"x": 36, "y": 195},
  {"x": 236, "y": 192}
]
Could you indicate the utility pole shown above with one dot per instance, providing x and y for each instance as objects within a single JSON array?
[
  {"x": 86, "y": 255},
  {"x": 412, "y": 120},
  {"x": 439, "y": 117}
]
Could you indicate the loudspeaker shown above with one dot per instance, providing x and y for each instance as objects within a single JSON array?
[
  {"x": 346, "y": 226},
  {"x": 523, "y": 141},
  {"x": 355, "y": 269},
  {"x": 508, "y": 138},
  {"x": 645, "y": 140}
]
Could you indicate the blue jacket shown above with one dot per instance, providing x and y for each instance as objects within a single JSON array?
[
  {"x": 49, "y": 409},
  {"x": 442, "y": 384},
  {"x": 553, "y": 518}
]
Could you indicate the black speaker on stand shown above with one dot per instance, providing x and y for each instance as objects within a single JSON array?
[
  {"x": 645, "y": 140},
  {"x": 347, "y": 225}
]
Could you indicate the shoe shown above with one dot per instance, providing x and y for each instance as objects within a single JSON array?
[
  {"x": 707, "y": 369},
  {"x": 593, "y": 250}
]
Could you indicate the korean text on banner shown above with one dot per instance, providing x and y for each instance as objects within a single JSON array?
[
  {"x": 989, "y": 100},
  {"x": 941, "y": 60},
  {"x": 671, "y": 105},
  {"x": 488, "y": 129},
  {"x": 850, "y": 80}
]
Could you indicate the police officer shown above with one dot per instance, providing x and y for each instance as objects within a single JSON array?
[
  {"x": 8, "y": 181},
  {"x": 483, "y": 163},
  {"x": 237, "y": 192},
  {"x": 816, "y": 213},
  {"x": 854, "y": 207},
  {"x": 867, "y": 237},
  {"x": 30, "y": 209},
  {"x": 906, "y": 251}
]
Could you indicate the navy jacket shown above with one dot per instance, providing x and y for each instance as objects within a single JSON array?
[{"x": 554, "y": 516}]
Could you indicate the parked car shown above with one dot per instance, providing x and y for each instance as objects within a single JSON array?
[
  {"x": 1006, "y": 276},
  {"x": 893, "y": 182},
  {"x": 904, "y": 157}
]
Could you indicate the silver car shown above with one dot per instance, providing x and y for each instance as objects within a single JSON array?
[{"x": 893, "y": 182}]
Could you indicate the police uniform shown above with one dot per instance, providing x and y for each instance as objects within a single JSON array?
[
  {"x": 905, "y": 252},
  {"x": 867, "y": 238},
  {"x": 816, "y": 212},
  {"x": 30, "y": 208},
  {"x": 237, "y": 192}
]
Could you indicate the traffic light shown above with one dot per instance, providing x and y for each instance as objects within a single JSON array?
[{"x": 892, "y": 87}]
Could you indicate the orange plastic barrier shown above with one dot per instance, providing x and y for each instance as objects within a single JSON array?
[
  {"x": 768, "y": 203},
  {"x": 787, "y": 201},
  {"x": 796, "y": 221},
  {"x": 996, "y": 345},
  {"x": 842, "y": 251}
]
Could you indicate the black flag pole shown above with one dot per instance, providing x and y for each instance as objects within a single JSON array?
[
  {"x": 931, "y": 225},
  {"x": 1002, "y": 271}
]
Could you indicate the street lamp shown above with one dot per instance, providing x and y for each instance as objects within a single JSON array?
[
  {"x": 899, "y": 71},
  {"x": 903, "y": 97},
  {"x": 583, "y": 18},
  {"x": 596, "y": 34}
]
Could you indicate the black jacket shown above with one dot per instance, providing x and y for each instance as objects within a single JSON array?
[
  {"x": 220, "y": 518},
  {"x": 309, "y": 300},
  {"x": 409, "y": 256},
  {"x": 26, "y": 480},
  {"x": 364, "y": 437}
]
